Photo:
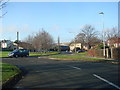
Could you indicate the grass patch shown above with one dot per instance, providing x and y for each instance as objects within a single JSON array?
[
  {"x": 74, "y": 57},
  {"x": 38, "y": 53},
  {"x": 8, "y": 71},
  {"x": 4, "y": 53},
  {"x": 82, "y": 53}
]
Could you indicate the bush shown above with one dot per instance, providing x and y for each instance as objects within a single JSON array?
[
  {"x": 95, "y": 52},
  {"x": 101, "y": 46},
  {"x": 91, "y": 52}
]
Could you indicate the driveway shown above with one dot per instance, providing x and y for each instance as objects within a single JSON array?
[{"x": 46, "y": 73}]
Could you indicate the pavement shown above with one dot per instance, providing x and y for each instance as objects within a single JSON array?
[{"x": 47, "y": 73}]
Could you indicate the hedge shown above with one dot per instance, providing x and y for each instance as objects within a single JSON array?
[{"x": 95, "y": 53}]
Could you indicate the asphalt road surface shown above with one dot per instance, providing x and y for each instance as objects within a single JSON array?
[{"x": 46, "y": 73}]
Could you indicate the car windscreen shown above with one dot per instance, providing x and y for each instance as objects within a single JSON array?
[{"x": 16, "y": 50}]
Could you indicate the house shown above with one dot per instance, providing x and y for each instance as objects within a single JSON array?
[
  {"x": 61, "y": 46},
  {"x": 75, "y": 45},
  {"x": 7, "y": 44},
  {"x": 114, "y": 42},
  {"x": 66, "y": 44}
]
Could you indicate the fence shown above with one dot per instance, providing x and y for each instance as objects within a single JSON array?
[{"x": 113, "y": 53}]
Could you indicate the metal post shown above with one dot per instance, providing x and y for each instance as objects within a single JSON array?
[
  {"x": 103, "y": 35},
  {"x": 59, "y": 44},
  {"x": 17, "y": 40},
  {"x": 75, "y": 45}
]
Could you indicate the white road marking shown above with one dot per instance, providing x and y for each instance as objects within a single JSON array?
[
  {"x": 106, "y": 81},
  {"x": 75, "y": 67}
]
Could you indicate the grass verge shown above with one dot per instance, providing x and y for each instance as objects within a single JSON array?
[
  {"x": 4, "y": 53},
  {"x": 74, "y": 57},
  {"x": 82, "y": 53},
  {"x": 38, "y": 53},
  {"x": 8, "y": 71}
]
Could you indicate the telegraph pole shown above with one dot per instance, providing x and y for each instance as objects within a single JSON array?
[
  {"x": 103, "y": 35},
  {"x": 59, "y": 44},
  {"x": 17, "y": 40}
]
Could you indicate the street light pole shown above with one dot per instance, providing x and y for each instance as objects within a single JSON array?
[
  {"x": 17, "y": 40},
  {"x": 59, "y": 44},
  {"x": 103, "y": 35},
  {"x": 75, "y": 45}
]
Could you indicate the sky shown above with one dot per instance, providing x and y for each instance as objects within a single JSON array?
[{"x": 63, "y": 19}]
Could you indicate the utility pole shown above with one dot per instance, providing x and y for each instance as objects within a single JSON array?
[
  {"x": 75, "y": 45},
  {"x": 59, "y": 44},
  {"x": 17, "y": 40},
  {"x": 103, "y": 35}
]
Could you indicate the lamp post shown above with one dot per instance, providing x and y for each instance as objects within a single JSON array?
[
  {"x": 103, "y": 34},
  {"x": 59, "y": 50},
  {"x": 18, "y": 40}
]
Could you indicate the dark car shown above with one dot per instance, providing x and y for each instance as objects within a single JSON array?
[
  {"x": 19, "y": 53},
  {"x": 81, "y": 50}
]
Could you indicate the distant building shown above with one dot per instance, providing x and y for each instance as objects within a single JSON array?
[
  {"x": 66, "y": 44},
  {"x": 75, "y": 45},
  {"x": 64, "y": 48},
  {"x": 114, "y": 42},
  {"x": 72, "y": 46},
  {"x": 7, "y": 44}
]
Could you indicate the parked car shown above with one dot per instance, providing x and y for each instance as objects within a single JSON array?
[
  {"x": 81, "y": 50},
  {"x": 19, "y": 53}
]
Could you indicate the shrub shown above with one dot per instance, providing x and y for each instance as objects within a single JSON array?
[
  {"x": 91, "y": 52},
  {"x": 101, "y": 46},
  {"x": 95, "y": 52}
]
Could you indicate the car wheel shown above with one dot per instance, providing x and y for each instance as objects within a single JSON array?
[
  {"x": 16, "y": 56},
  {"x": 27, "y": 55}
]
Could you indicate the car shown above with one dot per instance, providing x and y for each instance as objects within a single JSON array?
[
  {"x": 81, "y": 50},
  {"x": 19, "y": 53}
]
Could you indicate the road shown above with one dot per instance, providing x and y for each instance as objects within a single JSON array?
[{"x": 46, "y": 73}]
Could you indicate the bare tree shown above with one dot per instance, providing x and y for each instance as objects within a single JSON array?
[
  {"x": 29, "y": 39},
  {"x": 41, "y": 41},
  {"x": 113, "y": 32},
  {"x": 87, "y": 36},
  {"x": 3, "y": 4}
]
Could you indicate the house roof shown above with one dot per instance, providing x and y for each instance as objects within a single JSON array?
[{"x": 5, "y": 41}]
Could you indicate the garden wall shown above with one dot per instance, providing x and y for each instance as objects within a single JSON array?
[{"x": 113, "y": 53}]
